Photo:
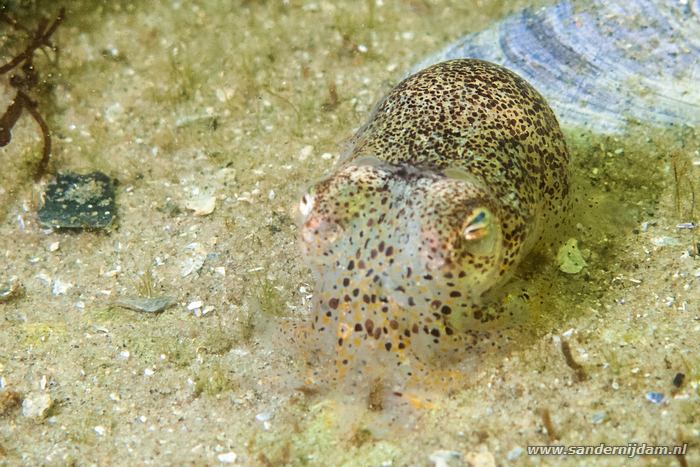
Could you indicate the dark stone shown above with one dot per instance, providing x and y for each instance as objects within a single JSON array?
[{"x": 77, "y": 201}]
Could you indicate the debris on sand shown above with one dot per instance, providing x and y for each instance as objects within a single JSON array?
[{"x": 75, "y": 201}]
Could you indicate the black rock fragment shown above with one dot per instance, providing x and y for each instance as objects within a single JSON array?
[{"x": 76, "y": 201}]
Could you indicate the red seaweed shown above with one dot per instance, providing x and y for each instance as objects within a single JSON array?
[{"x": 24, "y": 81}]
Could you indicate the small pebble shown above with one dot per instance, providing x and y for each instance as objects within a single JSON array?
[
  {"x": 482, "y": 458},
  {"x": 148, "y": 372},
  {"x": 678, "y": 379},
  {"x": 194, "y": 305},
  {"x": 197, "y": 255},
  {"x": 305, "y": 152},
  {"x": 202, "y": 206},
  {"x": 100, "y": 430},
  {"x": 59, "y": 287},
  {"x": 10, "y": 290},
  {"x": 686, "y": 225},
  {"x": 36, "y": 404},
  {"x": 664, "y": 241},
  {"x": 225, "y": 94},
  {"x": 514, "y": 453},
  {"x": 263, "y": 416},
  {"x": 54, "y": 246},
  {"x": 193, "y": 264},
  {"x": 598, "y": 417},
  {"x": 442, "y": 457},
  {"x": 199, "y": 312},
  {"x": 655, "y": 397},
  {"x": 227, "y": 457},
  {"x": 113, "y": 112}
]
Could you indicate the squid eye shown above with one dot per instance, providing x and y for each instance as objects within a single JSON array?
[
  {"x": 477, "y": 225},
  {"x": 306, "y": 204}
]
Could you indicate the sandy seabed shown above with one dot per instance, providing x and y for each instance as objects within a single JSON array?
[{"x": 246, "y": 103}]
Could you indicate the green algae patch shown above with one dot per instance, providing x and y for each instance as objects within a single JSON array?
[
  {"x": 44, "y": 333},
  {"x": 91, "y": 428},
  {"x": 216, "y": 341},
  {"x": 213, "y": 380},
  {"x": 109, "y": 315},
  {"x": 267, "y": 299},
  {"x": 569, "y": 257},
  {"x": 177, "y": 350},
  {"x": 322, "y": 434}
]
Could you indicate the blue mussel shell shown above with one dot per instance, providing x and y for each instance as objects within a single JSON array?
[{"x": 601, "y": 64}]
